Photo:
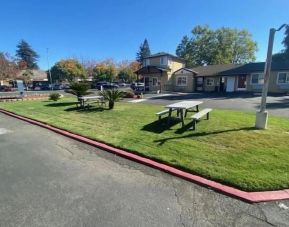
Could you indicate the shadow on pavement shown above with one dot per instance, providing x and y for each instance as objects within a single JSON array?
[
  {"x": 212, "y": 95},
  {"x": 282, "y": 104}
]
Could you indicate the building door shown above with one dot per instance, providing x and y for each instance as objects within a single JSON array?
[
  {"x": 222, "y": 84},
  {"x": 147, "y": 83},
  {"x": 230, "y": 84},
  {"x": 242, "y": 83},
  {"x": 199, "y": 83}
]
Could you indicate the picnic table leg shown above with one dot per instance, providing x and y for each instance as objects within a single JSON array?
[
  {"x": 182, "y": 117},
  {"x": 169, "y": 116},
  {"x": 186, "y": 112}
]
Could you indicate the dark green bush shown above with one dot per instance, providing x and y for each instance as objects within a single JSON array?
[
  {"x": 111, "y": 96},
  {"x": 78, "y": 89},
  {"x": 54, "y": 96}
]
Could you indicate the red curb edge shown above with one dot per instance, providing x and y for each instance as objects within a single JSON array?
[{"x": 252, "y": 197}]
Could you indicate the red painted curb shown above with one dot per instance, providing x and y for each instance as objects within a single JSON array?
[{"x": 251, "y": 197}]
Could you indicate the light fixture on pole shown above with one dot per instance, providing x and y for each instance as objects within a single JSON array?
[
  {"x": 49, "y": 72},
  {"x": 262, "y": 115}
]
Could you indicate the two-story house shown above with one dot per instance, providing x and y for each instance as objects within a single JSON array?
[{"x": 157, "y": 71}]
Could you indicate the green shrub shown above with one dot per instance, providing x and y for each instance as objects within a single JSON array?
[
  {"x": 111, "y": 96},
  {"x": 54, "y": 96},
  {"x": 78, "y": 89}
]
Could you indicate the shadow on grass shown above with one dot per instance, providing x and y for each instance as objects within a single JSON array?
[
  {"x": 60, "y": 104},
  {"x": 160, "y": 126},
  {"x": 198, "y": 134},
  {"x": 87, "y": 110},
  {"x": 185, "y": 128}
]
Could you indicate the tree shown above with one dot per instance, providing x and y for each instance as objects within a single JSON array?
[
  {"x": 144, "y": 51},
  {"x": 89, "y": 65},
  {"x": 27, "y": 55},
  {"x": 184, "y": 50},
  {"x": 286, "y": 41},
  {"x": 67, "y": 70},
  {"x": 220, "y": 46},
  {"x": 8, "y": 67},
  {"x": 283, "y": 56},
  {"x": 126, "y": 71},
  {"x": 105, "y": 70},
  {"x": 78, "y": 89},
  {"x": 112, "y": 96}
]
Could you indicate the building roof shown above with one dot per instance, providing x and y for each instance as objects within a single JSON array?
[
  {"x": 213, "y": 70},
  {"x": 165, "y": 54},
  {"x": 151, "y": 69},
  {"x": 186, "y": 69},
  {"x": 256, "y": 67}
]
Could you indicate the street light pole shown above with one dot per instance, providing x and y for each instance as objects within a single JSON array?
[
  {"x": 262, "y": 115},
  {"x": 49, "y": 72}
]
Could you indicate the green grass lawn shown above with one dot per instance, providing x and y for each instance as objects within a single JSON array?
[{"x": 226, "y": 148}]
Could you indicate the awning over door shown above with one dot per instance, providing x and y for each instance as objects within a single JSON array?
[{"x": 150, "y": 69}]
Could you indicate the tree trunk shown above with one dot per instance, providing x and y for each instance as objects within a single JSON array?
[{"x": 110, "y": 104}]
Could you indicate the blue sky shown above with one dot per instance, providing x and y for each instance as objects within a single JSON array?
[{"x": 90, "y": 29}]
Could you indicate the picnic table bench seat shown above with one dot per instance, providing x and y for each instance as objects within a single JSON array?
[
  {"x": 199, "y": 115},
  {"x": 161, "y": 113}
]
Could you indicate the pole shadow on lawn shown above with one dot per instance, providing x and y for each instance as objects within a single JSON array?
[{"x": 198, "y": 134}]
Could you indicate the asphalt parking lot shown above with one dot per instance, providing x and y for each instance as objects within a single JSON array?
[
  {"x": 277, "y": 105},
  {"x": 50, "y": 180}
]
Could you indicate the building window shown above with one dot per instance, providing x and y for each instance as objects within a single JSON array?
[
  {"x": 210, "y": 82},
  {"x": 146, "y": 62},
  {"x": 257, "y": 78},
  {"x": 169, "y": 61},
  {"x": 163, "y": 60},
  {"x": 155, "y": 81},
  {"x": 283, "y": 78},
  {"x": 181, "y": 81}
]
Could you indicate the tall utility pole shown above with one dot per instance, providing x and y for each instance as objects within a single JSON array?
[
  {"x": 49, "y": 72},
  {"x": 262, "y": 115}
]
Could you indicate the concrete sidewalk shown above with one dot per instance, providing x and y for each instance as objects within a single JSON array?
[{"x": 49, "y": 180}]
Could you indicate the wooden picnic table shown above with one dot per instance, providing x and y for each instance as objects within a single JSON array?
[
  {"x": 85, "y": 99},
  {"x": 181, "y": 107}
]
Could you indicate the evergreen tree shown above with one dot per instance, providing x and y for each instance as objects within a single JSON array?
[
  {"x": 144, "y": 51},
  {"x": 286, "y": 41},
  {"x": 27, "y": 55},
  {"x": 283, "y": 56}
]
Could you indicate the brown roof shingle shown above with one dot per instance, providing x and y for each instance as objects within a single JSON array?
[{"x": 213, "y": 70}]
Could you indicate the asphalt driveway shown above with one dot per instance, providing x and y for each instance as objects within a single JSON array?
[
  {"x": 276, "y": 104},
  {"x": 50, "y": 180}
]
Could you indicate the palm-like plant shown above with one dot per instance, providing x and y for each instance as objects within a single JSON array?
[
  {"x": 111, "y": 96},
  {"x": 78, "y": 89}
]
